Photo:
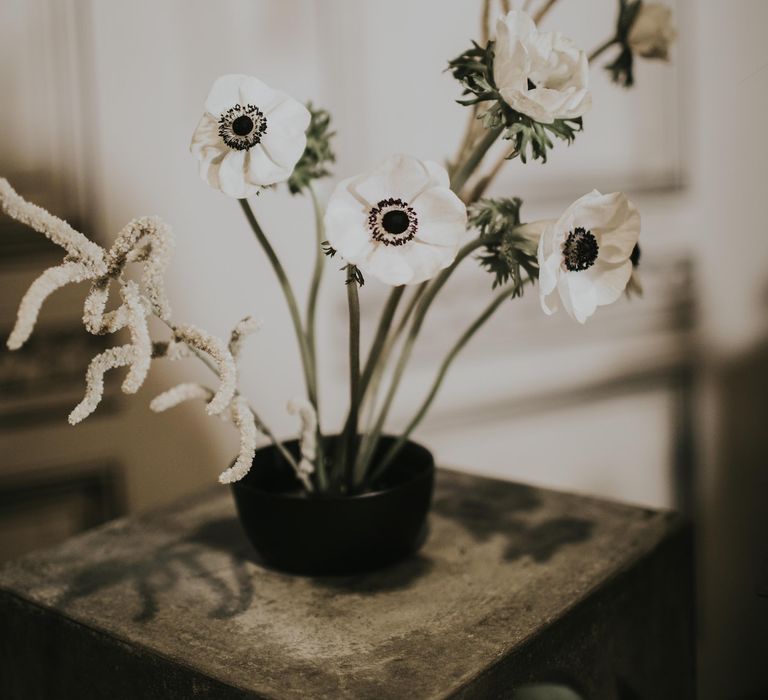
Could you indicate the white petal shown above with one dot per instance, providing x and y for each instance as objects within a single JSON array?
[
  {"x": 283, "y": 146},
  {"x": 399, "y": 176},
  {"x": 263, "y": 170},
  {"x": 347, "y": 231},
  {"x": 578, "y": 295},
  {"x": 231, "y": 174},
  {"x": 437, "y": 173},
  {"x": 549, "y": 303},
  {"x": 233, "y": 89},
  {"x": 387, "y": 264},
  {"x": 288, "y": 114},
  {"x": 549, "y": 272},
  {"x": 426, "y": 261},
  {"x": 440, "y": 205},
  {"x": 610, "y": 281},
  {"x": 254, "y": 92},
  {"x": 206, "y": 142}
]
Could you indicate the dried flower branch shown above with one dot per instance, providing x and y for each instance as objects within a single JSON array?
[
  {"x": 225, "y": 364},
  {"x": 78, "y": 247},
  {"x": 244, "y": 420},
  {"x": 52, "y": 279},
  {"x": 188, "y": 391},
  {"x": 94, "y": 378},
  {"x": 141, "y": 343},
  {"x": 307, "y": 437},
  {"x": 244, "y": 328}
]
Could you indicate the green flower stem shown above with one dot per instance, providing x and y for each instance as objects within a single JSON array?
[
  {"x": 603, "y": 47},
  {"x": 314, "y": 288},
  {"x": 543, "y": 11},
  {"x": 290, "y": 298},
  {"x": 317, "y": 275},
  {"x": 482, "y": 184},
  {"x": 450, "y": 357},
  {"x": 379, "y": 341},
  {"x": 351, "y": 432},
  {"x": 377, "y": 374},
  {"x": 407, "y": 349},
  {"x": 371, "y": 363},
  {"x": 463, "y": 173}
]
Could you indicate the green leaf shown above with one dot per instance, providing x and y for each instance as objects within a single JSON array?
[
  {"x": 506, "y": 254},
  {"x": 318, "y": 153}
]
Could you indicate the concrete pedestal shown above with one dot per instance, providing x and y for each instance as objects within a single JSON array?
[{"x": 514, "y": 585}]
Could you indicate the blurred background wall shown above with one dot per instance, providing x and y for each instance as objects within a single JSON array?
[{"x": 659, "y": 401}]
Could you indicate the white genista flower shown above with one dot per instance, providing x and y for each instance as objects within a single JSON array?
[
  {"x": 147, "y": 240},
  {"x": 652, "y": 32},
  {"x": 52, "y": 279},
  {"x": 78, "y": 247},
  {"x": 225, "y": 364},
  {"x": 400, "y": 222},
  {"x": 543, "y": 75},
  {"x": 188, "y": 391},
  {"x": 140, "y": 340},
  {"x": 307, "y": 439},
  {"x": 243, "y": 418},
  {"x": 585, "y": 255},
  {"x": 245, "y": 327},
  {"x": 94, "y": 379},
  {"x": 250, "y": 136}
]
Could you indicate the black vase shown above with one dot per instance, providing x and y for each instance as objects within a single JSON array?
[{"x": 315, "y": 534}]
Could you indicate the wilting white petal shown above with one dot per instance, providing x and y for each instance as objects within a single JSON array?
[
  {"x": 540, "y": 74},
  {"x": 652, "y": 32}
]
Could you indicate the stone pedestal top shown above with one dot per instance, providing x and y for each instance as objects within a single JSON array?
[{"x": 175, "y": 602}]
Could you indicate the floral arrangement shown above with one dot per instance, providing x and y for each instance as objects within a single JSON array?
[{"x": 406, "y": 222}]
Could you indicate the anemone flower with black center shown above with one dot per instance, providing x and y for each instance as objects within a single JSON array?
[
  {"x": 399, "y": 223},
  {"x": 250, "y": 136},
  {"x": 585, "y": 256}
]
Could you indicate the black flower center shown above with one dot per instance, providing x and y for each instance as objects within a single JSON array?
[
  {"x": 579, "y": 250},
  {"x": 392, "y": 222},
  {"x": 241, "y": 127},
  {"x": 395, "y": 221}
]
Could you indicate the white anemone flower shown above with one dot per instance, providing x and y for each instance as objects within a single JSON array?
[
  {"x": 400, "y": 222},
  {"x": 543, "y": 75},
  {"x": 250, "y": 136},
  {"x": 652, "y": 32},
  {"x": 585, "y": 256}
]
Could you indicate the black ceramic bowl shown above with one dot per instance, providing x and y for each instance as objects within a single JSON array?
[{"x": 322, "y": 535}]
